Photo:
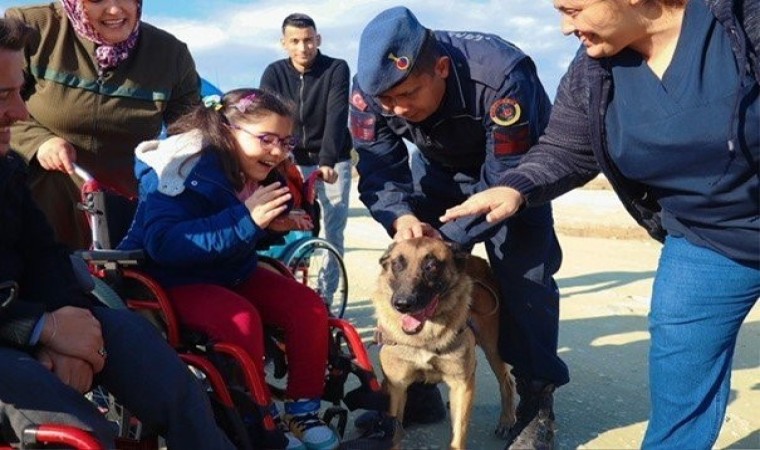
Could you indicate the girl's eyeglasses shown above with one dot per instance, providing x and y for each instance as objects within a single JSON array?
[{"x": 269, "y": 140}]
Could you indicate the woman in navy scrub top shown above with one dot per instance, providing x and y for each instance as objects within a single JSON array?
[{"x": 662, "y": 98}]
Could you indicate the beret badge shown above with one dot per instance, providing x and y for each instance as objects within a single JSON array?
[{"x": 402, "y": 63}]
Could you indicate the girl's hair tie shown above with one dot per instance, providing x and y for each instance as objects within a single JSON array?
[{"x": 213, "y": 101}]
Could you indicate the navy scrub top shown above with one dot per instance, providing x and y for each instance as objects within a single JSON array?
[{"x": 672, "y": 135}]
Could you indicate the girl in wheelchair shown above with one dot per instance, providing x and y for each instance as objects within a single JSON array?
[{"x": 208, "y": 195}]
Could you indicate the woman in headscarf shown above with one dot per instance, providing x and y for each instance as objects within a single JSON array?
[{"x": 99, "y": 82}]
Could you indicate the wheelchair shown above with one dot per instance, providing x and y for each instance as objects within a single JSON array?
[
  {"x": 240, "y": 398},
  {"x": 312, "y": 260}
]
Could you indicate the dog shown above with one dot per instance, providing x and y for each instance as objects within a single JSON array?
[{"x": 433, "y": 303}]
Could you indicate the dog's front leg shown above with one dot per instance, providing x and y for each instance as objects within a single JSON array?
[{"x": 461, "y": 394}]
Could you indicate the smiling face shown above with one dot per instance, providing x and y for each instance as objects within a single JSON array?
[
  {"x": 113, "y": 20},
  {"x": 604, "y": 27},
  {"x": 12, "y": 106},
  {"x": 257, "y": 159},
  {"x": 301, "y": 44},
  {"x": 419, "y": 95}
]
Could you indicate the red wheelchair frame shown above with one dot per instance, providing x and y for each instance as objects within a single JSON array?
[{"x": 240, "y": 388}]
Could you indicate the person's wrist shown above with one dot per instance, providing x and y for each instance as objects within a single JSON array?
[{"x": 50, "y": 328}]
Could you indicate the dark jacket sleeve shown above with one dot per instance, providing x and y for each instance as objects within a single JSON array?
[
  {"x": 522, "y": 86},
  {"x": 31, "y": 257},
  {"x": 385, "y": 181},
  {"x": 563, "y": 158},
  {"x": 336, "y": 136},
  {"x": 187, "y": 92},
  {"x": 269, "y": 79}
]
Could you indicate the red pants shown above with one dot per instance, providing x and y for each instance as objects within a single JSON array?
[{"x": 235, "y": 315}]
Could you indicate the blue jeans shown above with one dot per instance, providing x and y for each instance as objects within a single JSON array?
[
  {"x": 333, "y": 198},
  {"x": 700, "y": 299}
]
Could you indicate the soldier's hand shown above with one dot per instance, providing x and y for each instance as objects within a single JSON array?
[
  {"x": 497, "y": 203},
  {"x": 408, "y": 227}
]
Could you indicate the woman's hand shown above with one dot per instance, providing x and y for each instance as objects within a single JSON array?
[
  {"x": 499, "y": 203},
  {"x": 267, "y": 202},
  {"x": 57, "y": 154}
]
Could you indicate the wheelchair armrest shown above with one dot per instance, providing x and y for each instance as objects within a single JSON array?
[{"x": 123, "y": 257}]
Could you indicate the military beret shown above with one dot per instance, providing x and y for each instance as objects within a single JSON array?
[{"x": 388, "y": 49}]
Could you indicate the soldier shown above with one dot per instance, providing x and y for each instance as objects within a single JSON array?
[{"x": 472, "y": 103}]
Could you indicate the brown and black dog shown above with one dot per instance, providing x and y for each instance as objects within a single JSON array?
[{"x": 426, "y": 293}]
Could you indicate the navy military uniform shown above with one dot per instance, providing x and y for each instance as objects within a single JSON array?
[{"x": 493, "y": 110}]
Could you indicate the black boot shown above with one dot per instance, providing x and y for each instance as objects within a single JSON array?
[
  {"x": 424, "y": 405},
  {"x": 534, "y": 429}
]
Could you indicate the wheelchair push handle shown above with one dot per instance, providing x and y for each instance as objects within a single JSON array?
[{"x": 83, "y": 174}]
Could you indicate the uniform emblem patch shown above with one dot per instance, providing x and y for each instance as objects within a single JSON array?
[
  {"x": 362, "y": 125},
  {"x": 358, "y": 101},
  {"x": 505, "y": 111}
]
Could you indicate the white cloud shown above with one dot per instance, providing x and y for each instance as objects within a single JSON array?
[{"x": 234, "y": 41}]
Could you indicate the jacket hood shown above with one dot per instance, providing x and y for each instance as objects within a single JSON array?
[{"x": 172, "y": 159}]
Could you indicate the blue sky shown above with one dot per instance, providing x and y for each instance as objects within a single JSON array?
[{"x": 232, "y": 41}]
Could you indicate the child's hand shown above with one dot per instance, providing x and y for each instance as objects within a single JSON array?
[
  {"x": 296, "y": 219},
  {"x": 267, "y": 202}
]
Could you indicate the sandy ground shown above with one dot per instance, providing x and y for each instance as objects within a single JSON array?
[{"x": 605, "y": 283}]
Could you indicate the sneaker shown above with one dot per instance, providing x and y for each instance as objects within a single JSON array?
[
  {"x": 302, "y": 419},
  {"x": 293, "y": 442}
]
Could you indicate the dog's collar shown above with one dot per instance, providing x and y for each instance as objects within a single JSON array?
[
  {"x": 382, "y": 339},
  {"x": 441, "y": 350}
]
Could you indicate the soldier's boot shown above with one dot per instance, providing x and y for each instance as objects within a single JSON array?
[{"x": 534, "y": 429}]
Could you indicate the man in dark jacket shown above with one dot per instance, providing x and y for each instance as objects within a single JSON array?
[
  {"x": 54, "y": 345},
  {"x": 318, "y": 85},
  {"x": 472, "y": 103}
]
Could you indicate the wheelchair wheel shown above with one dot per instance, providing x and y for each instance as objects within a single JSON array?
[{"x": 318, "y": 264}]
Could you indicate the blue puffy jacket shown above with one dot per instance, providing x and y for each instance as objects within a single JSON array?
[{"x": 189, "y": 220}]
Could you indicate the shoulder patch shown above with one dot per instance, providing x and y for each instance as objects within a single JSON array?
[
  {"x": 505, "y": 112},
  {"x": 511, "y": 141},
  {"x": 362, "y": 125},
  {"x": 358, "y": 101}
]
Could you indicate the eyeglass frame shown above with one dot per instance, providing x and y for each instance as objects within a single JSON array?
[{"x": 278, "y": 141}]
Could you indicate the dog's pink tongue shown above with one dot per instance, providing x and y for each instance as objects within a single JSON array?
[{"x": 410, "y": 324}]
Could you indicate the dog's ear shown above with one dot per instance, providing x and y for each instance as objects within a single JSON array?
[
  {"x": 460, "y": 254},
  {"x": 386, "y": 255}
]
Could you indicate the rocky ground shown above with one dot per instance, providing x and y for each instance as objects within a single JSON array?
[{"x": 605, "y": 283}]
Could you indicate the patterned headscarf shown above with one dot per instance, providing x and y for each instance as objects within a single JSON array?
[{"x": 107, "y": 55}]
